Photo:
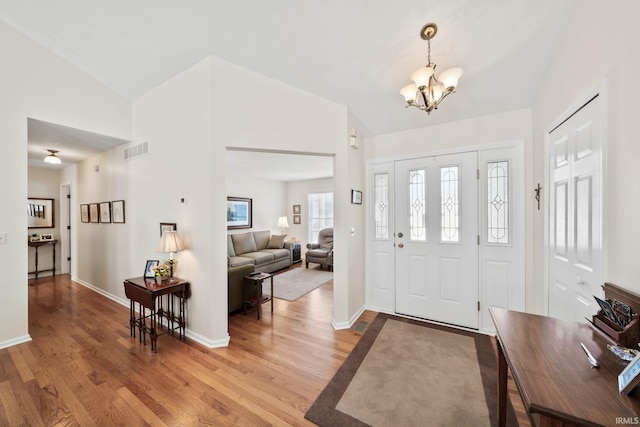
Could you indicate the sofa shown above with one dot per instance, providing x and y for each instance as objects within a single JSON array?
[
  {"x": 235, "y": 282},
  {"x": 266, "y": 252}
]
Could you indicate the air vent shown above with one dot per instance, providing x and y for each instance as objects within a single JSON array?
[{"x": 136, "y": 151}]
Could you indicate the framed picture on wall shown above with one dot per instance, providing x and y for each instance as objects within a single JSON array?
[
  {"x": 239, "y": 213},
  {"x": 296, "y": 209},
  {"x": 105, "y": 212},
  {"x": 117, "y": 211},
  {"x": 356, "y": 197},
  {"x": 84, "y": 213},
  {"x": 168, "y": 226},
  {"x": 296, "y": 219},
  {"x": 93, "y": 212}
]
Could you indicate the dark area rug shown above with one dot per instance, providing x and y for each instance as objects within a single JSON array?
[{"x": 404, "y": 372}]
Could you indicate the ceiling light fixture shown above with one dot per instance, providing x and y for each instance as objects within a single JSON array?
[
  {"x": 52, "y": 158},
  {"x": 427, "y": 91}
]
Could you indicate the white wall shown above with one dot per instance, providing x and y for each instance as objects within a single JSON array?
[
  {"x": 585, "y": 60},
  {"x": 472, "y": 133},
  {"x": 44, "y": 183},
  {"x": 35, "y": 83},
  {"x": 268, "y": 199}
]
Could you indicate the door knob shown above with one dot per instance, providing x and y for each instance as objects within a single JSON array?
[{"x": 400, "y": 245}]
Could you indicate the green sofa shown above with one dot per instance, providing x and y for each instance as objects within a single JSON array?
[{"x": 235, "y": 279}]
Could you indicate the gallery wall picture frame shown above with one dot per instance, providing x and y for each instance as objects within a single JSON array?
[
  {"x": 356, "y": 197},
  {"x": 94, "y": 215},
  {"x": 149, "y": 269},
  {"x": 168, "y": 226},
  {"x": 105, "y": 212},
  {"x": 297, "y": 219},
  {"x": 84, "y": 213},
  {"x": 296, "y": 209},
  {"x": 239, "y": 213},
  {"x": 117, "y": 211}
]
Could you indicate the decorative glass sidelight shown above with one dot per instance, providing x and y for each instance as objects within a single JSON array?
[
  {"x": 418, "y": 205},
  {"x": 498, "y": 202},
  {"x": 449, "y": 204},
  {"x": 381, "y": 204}
]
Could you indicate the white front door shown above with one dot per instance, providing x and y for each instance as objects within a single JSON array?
[
  {"x": 575, "y": 231},
  {"x": 436, "y": 244}
]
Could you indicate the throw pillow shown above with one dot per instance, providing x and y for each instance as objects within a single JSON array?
[
  {"x": 243, "y": 243},
  {"x": 276, "y": 241}
]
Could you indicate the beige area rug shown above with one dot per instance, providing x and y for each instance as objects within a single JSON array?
[
  {"x": 408, "y": 373},
  {"x": 293, "y": 284}
]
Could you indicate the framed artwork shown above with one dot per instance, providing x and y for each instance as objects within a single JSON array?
[
  {"x": 296, "y": 219},
  {"x": 40, "y": 213},
  {"x": 167, "y": 226},
  {"x": 239, "y": 213},
  {"x": 46, "y": 237},
  {"x": 105, "y": 212},
  {"x": 149, "y": 269},
  {"x": 296, "y": 209},
  {"x": 630, "y": 376},
  {"x": 117, "y": 211},
  {"x": 93, "y": 212},
  {"x": 84, "y": 213},
  {"x": 356, "y": 197}
]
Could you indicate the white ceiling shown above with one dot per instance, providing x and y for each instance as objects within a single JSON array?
[{"x": 358, "y": 53}]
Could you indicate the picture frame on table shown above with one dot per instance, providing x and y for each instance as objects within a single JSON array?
[
  {"x": 105, "y": 212},
  {"x": 94, "y": 215},
  {"x": 239, "y": 213},
  {"x": 356, "y": 197},
  {"x": 84, "y": 213},
  {"x": 168, "y": 226},
  {"x": 630, "y": 376},
  {"x": 149, "y": 269},
  {"x": 117, "y": 211}
]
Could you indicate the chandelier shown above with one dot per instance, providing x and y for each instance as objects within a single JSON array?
[{"x": 427, "y": 91}]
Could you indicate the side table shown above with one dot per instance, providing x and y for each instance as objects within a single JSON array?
[
  {"x": 255, "y": 282},
  {"x": 36, "y": 245},
  {"x": 148, "y": 294},
  {"x": 296, "y": 251}
]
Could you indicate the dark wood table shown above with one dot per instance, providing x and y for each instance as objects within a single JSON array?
[
  {"x": 558, "y": 385},
  {"x": 259, "y": 298},
  {"x": 148, "y": 294},
  {"x": 37, "y": 245}
]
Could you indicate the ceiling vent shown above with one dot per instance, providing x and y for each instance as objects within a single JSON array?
[{"x": 141, "y": 149}]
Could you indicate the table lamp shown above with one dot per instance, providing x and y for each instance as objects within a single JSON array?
[
  {"x": 283, "y": 223},
  {"x": 170, "y": 242}
]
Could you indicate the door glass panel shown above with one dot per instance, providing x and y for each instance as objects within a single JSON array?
[
  {"x": 417, "y": 205},
  {"x": 498, "y": 202},
  {"x": 449, "y": 204},
  {"x": 381, "y": 204}
]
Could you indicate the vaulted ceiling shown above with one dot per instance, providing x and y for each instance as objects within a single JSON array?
[{"x": 356, "y": 52}]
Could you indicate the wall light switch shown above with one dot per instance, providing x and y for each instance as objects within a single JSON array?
[{"x": 3, "y": 238}]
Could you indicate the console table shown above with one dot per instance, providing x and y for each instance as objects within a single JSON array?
[
  {"x": 554, "y": 377},
  {"x": 37, "y": 245},
  {"x": 149, "y": 293}
]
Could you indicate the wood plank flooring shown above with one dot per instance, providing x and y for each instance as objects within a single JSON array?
[{"x": 82, "y": 367}]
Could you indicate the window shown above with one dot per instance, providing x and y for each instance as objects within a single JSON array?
[
  {"x": 320, "y": 213},
  {"x": 498, "y": 202},
  {"x": 449, "y": 204},
  {"x": 418, "y": 205},
  {"x": 381, "y": 204}
]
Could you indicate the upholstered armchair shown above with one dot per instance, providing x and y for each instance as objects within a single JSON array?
[{"x": 321, "y": 252}]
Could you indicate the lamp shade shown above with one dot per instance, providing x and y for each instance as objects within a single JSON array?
[
  {"x": 282, "y": 222},
  {"x": 421, "y": 76},
  {"x": 449, "y": 78},
  {"x": 170, "y": 242}
]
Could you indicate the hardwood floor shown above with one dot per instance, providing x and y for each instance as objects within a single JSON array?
[{"x": 82, "y": 367}]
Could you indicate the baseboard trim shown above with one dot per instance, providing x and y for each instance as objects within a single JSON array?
[
  {"x": 15, "y": 341},
  {"x": 347, "y": 325}
]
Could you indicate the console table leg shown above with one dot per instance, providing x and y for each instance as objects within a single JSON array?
[{"x": 502, "y": 387}]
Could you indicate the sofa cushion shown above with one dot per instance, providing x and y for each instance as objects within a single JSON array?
[
  {"x": 318, "y": 253},
  {"x": 276, "y": 241},
  {"x": 278, "y": 253},
  {"x": 262, "y": 239},
  {"x": 243, "y": 243},
  {"x": 260, "y": 257},
  {"x": 237, "y": 261},
  {"x": 230, "y": 251}
]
